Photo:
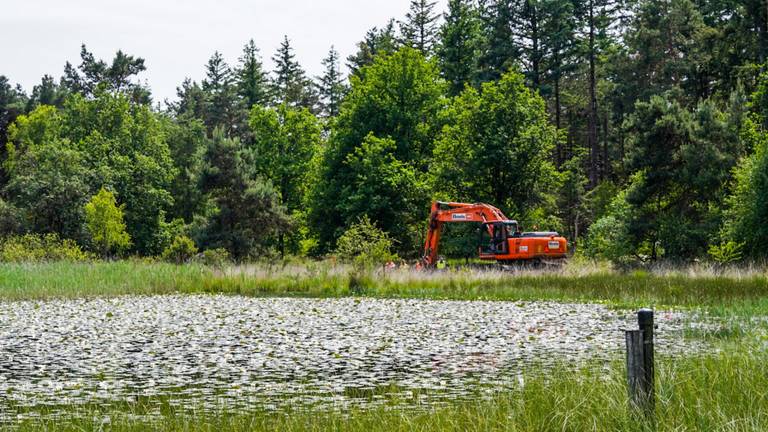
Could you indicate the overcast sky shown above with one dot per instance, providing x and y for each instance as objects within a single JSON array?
[{"x": 176, "y": 37}]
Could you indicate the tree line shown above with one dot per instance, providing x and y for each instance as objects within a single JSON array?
[{"x": 636, "y": 127}]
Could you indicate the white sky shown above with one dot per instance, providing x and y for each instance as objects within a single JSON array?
[{"x": 176, "y": 37}]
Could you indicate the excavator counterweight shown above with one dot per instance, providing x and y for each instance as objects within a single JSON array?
[{"x": 505, "y": 243}]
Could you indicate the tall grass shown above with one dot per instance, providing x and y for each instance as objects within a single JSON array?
[
  {"x": 720, "y": 392},
  {"x": 734, "y": 291}
]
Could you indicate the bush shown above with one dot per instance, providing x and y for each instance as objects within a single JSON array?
[
  {"x": 41, "y": 247},
  {"x": 181, "y": 250},
  {"x": 215, "y": 257},
  {"x": 726, "y": 253},
  {"x": 365, "y": 244},
  {"x": 608, "y": 238}
]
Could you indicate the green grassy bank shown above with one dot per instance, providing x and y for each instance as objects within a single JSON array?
[
  {"x": 719, "y": 392},
  {"x": 745, "y": 292}
]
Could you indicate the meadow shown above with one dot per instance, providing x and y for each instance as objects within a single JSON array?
[{"x": 724, "y": 388}]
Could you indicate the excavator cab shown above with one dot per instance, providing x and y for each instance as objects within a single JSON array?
[{"x": 494, "y": 237}]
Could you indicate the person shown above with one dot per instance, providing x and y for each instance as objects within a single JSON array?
[{"x": 441, "y": 263}]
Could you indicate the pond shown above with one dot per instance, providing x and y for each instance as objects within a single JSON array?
[{"x": 249, "y": 353}]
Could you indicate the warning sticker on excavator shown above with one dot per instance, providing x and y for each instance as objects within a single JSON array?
[{"x": 459, "y": 216}]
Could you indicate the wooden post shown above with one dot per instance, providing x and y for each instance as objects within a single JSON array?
[
  {"x": 635, "y": 365},
  {"x": 645, "y": 322},
  {"x": 640, "y": 370}
]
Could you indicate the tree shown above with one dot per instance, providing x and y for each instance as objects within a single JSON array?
[
  {"x": 247, "y": 212},
  {"x": 331, "y": 87},
  {"x": 399, "y": 97},
  {"x": 57, "y": 157},
  {"x": 48, "y": 180},
  {"x": 365, "y": 244},
  {"x": 93, "y": 74},
  {"x": 666, "y": 46},
  {"x": 419, "y": 30},
  {"x": 572, "y": 199},
  {"x": 499, "y": 50},
  {"x": 285, "y": 140},
  {"x": 104, "y": 219},
  {"x": 187, "y": 142},
  {"x": 496, "y": 148},
  {"x": 683, "y": 160},
  {"x": 221, "y": 102},
  {"x": 389, "y": 191},
  {"x": 290, "y": 85},
  {"x": 377, "y": 42},
  {"x": 12, "y": 102},
  {"x": 46, "y": 93},
  {"x": 191, "y": 101},
  {"x": 600, "y": 20},
  {"x": 460, "y": 45},
  {"x": 252, "y": 81},
  {"x": 560, "y": 50}
]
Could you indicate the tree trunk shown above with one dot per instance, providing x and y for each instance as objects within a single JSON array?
[
  {"x": 560, "y": 151},
  {"x": 594, "y": 147},
  {"x": 535, "y": 55},
  {"x": 606, "y": 157}
]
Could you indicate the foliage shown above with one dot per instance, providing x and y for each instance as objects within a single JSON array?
[
  {"x": 247, "y": 211},
  {"x": 726, "y": 253},
  {"x": 496, "y": 148},
  {"x": 105, "y": 223},
  {"x": 40, "y": 247},
  {"x": 252, "y": 81},
  {"x": 290, "y": 85},
  {"x": 377, "y": 42},
  {"x": 685, "y": 158},
  {"x": 182, "y": 250},
  {"x": 331, "y": 86},
  {"x": 459, "y": 52},
  {"x": 419, "y": 30},
  {"x": 392, "y": 107},
  {"x": 645, "y": 97},
  {"x": 747, "y": 206},
  {"x": 363, "y": 243},
  {"x": 609, "y": 236},
  {"x": 217, "y": 258},
  {"x": 93, "y": 76}
]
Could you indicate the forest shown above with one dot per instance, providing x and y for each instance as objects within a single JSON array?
[{"x": 637, "y": 128}]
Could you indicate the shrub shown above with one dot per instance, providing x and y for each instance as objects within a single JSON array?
[
  {"x": 104, "y": 219},
  {"x": 181, "y": 250},
  {"x": 39, "y": 247},
  {"x": 726, "y": 253},
  {"x": 608, "y": 238},
  {"x": 215, "y": 257},
  {"x": 365, "y": 244}
]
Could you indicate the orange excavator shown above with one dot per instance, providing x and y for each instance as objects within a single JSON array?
[{"x": 501, "y": 238}]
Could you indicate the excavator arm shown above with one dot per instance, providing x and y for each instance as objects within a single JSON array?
[{"x": 449, "y": 212}]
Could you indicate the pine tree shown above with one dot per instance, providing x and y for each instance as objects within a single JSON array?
[
  {"x": 331, "y": 85},
  {"x": 221, "y": 99},
  {"x": 376, "y": 42},
  {"x": 560, "y": 47},
  {"x": 499, "y": 51},
  {"x": 526, "y": 25},
  {"x": 290, "y": 84},
  {"x": 460, "y": 43},
  {"x": 601, "y": 19},
  {"x": 420, "y": 28},
  {"x": 93, "y": 74},
  {"x": 252, "y": 83},
  {"x": 48, "y": 92}
]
